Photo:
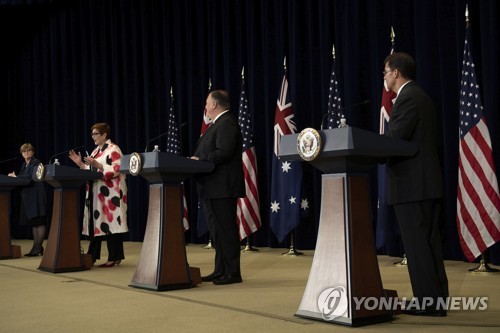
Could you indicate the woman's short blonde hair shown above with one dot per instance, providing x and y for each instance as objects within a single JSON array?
[{"x": 26, "y": 146}]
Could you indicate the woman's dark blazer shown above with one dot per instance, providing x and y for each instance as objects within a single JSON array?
[{"x": 33, "y": 195}]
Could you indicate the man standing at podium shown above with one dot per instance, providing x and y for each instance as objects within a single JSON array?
[
  {"x": 221, "y": 144},
  {"x": 415, "y": 184}
]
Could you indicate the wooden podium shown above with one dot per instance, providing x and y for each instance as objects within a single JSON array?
[
  {"x": 163, "y": 262},
  {"x": 62, "y": 252},
  {"x": 8, "y": 251},
  {"x": 345, "y": 266}
]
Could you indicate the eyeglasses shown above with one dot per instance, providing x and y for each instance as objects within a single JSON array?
[
  {"x": 387, "y": 72},
  {"x": 26, "y": 150},
  {"x": 95, "y": 134}
]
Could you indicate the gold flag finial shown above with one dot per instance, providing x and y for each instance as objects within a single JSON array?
[
  {"x": 284, "y": 62},
  {"x": 243, "y": 72},
  {"x": 209, "y": 84},
  {"x": 467, "y": 13},
  {"x": 393, "y": 35},
  {"x": 333, "y": 51},
  {"x": 171, "y": 92}
]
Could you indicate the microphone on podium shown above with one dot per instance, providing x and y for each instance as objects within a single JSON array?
[
  {"x": 163, "y": 134},
  {"x": 65, "y": 152},
  {"x": 366, "y": 101},
  {"x": 9, "y": 160}
]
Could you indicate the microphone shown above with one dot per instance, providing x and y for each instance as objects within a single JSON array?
[
  {"x": 366, "y": 101},
  {"x": 65, "y": 152},
  {"x": 9, "y": 160},
  {"x": 163, "y": 134}
]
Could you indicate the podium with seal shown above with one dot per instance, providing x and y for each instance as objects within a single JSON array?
[
  {"x": 345, "y": 267},
  {"x": 7, "y": 184},
  {"x": 62, "y": 251},
  {"x": 163, "y": 262}
]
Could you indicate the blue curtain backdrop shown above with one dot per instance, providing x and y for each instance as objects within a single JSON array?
[{"x": 66, "y": 64}]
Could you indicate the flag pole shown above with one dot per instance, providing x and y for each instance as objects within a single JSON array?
[
  {"x": 393, "y": 37},
  {"x": 209, "y": 245},
  {"x": 467, "y": 22}
]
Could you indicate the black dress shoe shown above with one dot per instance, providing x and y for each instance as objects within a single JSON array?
[
  {"x": 428, "y": 312},
  {"x": 211, "y": 277},
  {"x": 228, "y": 279}
]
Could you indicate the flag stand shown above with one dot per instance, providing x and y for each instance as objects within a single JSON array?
[
  {"x": 402, "y": 262},
  {"x": 292, "y": 251},
  {"x": 248, "y": 247},
  {"x": 483, "y": 266},
  {"x": 209, "y": 245}
]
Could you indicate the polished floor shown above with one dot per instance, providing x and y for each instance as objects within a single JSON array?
[{"x": 100, "y": 299}]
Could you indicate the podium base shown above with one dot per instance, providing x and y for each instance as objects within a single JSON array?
[
  {"x": 195, "y": 276},
  {"x": 87, "y": 261},
  {"x": 345, "y": 266},
  {"x": 62, "y": 270},
  {"x": 353, "y": 322},
  {"x": 195, "y": 280},
  {"x": 16, "y": 251}
]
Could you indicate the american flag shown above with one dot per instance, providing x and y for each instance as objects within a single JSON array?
[
  {"x": 335, "y": 112},
  {"x": 248, "y": 214},
  {"x": 478, "y": 200},
  {"x": 387, "y": 226},
  {"x": 173, "y": 146},
  {"x": 286, "y": 176}
]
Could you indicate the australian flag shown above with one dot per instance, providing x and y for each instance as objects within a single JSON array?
[{"x": 286, "y": 175}]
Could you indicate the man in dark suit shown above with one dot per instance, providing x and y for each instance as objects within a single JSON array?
[
  {"x": 219, "y": 190},
  {"x": 415, "y": 185}
]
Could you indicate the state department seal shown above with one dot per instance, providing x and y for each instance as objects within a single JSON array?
[
  {"x": 40, "y": 171},
  {"x": 309, "y": 144},
  {"x": 135, "y": 164}
]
